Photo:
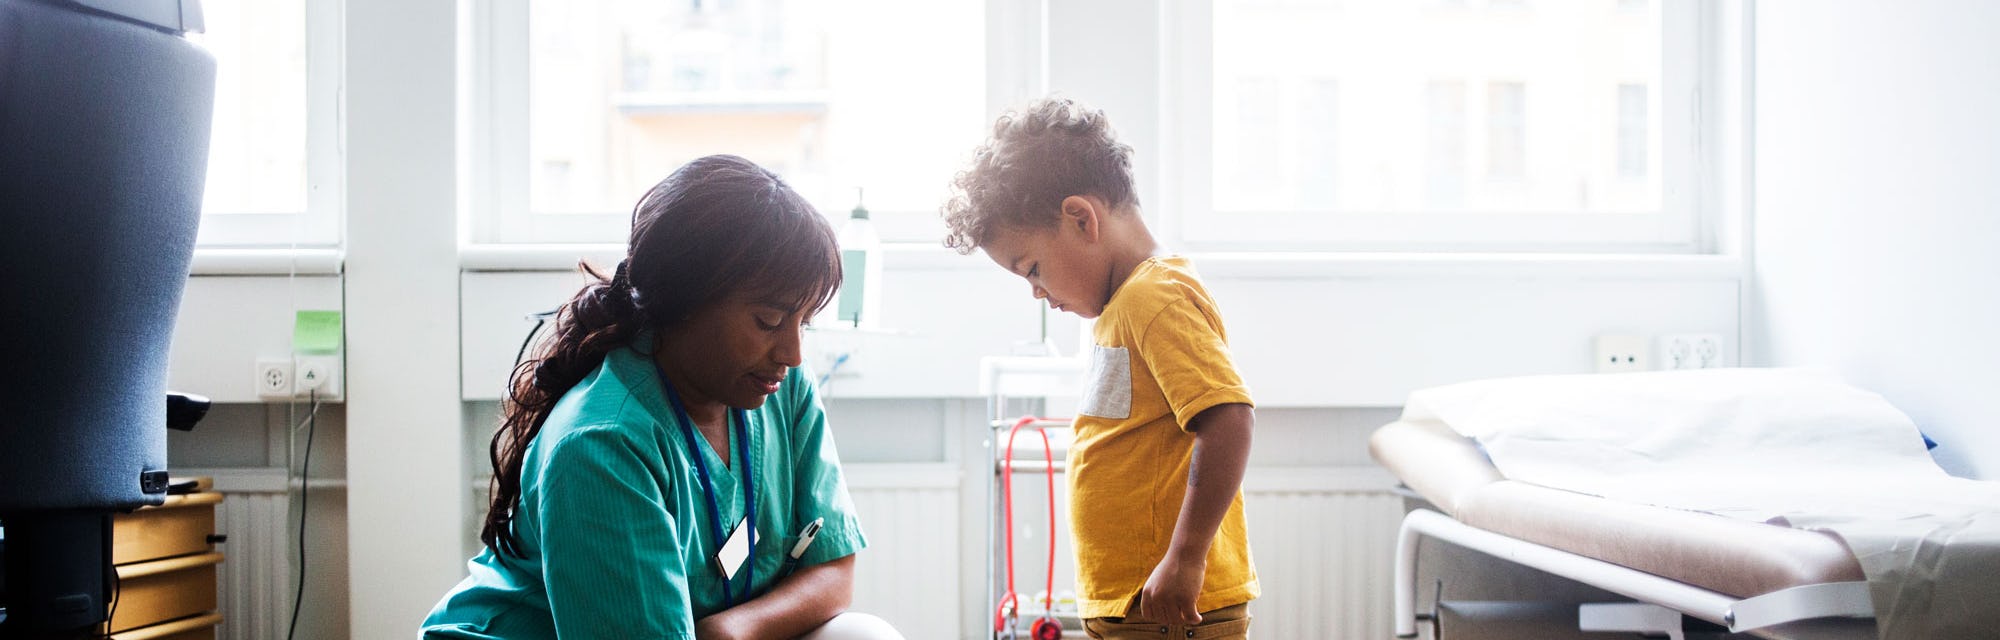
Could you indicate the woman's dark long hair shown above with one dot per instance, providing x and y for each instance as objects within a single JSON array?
[{"x": 717, "y": 226}]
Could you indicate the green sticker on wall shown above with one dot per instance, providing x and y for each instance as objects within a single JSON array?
[{"x": 316, "y": 332}]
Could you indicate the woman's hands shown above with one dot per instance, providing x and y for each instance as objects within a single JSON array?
[{"x": 798, "y": 604}]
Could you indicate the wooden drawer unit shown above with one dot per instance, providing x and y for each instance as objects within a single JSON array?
[
  {"x": 166, "y": 562},
  {"x": 200, "y": 627},
  {"x": 183, "y": 526},
  {"x": 162, "y": 590}
]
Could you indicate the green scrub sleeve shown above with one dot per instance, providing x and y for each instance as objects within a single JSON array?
[
  {"x": 820, "y": 489},
  {"x": 613, "y": 569}
]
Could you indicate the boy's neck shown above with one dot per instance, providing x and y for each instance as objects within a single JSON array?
[{"x": 1129, "y": 243}]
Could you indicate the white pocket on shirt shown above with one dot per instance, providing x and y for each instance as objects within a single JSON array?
[{"x": 1110, "y": 393}]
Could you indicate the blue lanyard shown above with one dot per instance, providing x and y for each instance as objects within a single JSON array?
[{"x": 708, "y": 486}]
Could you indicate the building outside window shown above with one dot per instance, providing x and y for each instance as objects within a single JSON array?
[
  {"x": 1425, "y": 125},
  {"x": 273, "y": 163},
  {"x": 838, "y": 98},
  {"x": 1506, "y": 130},
  {"x": 1633, "y": 131}
]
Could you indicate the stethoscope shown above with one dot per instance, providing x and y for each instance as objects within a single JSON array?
[
  {"x": 1006, "y": 618},
  {"x": 742, "y": 421}
]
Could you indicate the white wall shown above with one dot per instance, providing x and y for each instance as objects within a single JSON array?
[
  {"x": 405, "y": 471},
  {"x": 1878, "y": 148},
  {"x": 1308, "y": 332}
]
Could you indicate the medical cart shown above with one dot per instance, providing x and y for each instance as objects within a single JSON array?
[{"x": 1015, "y": 387}]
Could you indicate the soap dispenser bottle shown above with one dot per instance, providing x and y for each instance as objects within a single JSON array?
[{"x": 859, "y": 303}]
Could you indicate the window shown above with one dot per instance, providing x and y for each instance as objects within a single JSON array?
[
  {"x": 273, "y": 163},
  {"x": 584, "y": 105},
  {"x": 1506, "y": 130},
  {"x": 1633, "y": 131},
  {"x": 1256, "y": 137},
  {"x": 1319, "y": 142},
  {"x": 1444, "y": 157},
  {"x": 1554, "y": 125},
  {"x": 1279, "y": 143}
]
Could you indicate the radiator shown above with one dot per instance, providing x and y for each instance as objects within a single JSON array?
[
  {"x": 256, "y": 581},
  {"x": 909, "y": 574},
  {"x": 1323, "y": 541},
  {"x": 1323, "y": 538}
]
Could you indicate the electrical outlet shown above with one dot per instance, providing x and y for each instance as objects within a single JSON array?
[
  {"x": 1708, "y": 350},
  {"x": 1691, "y": 351},
  {"x": 274, "y": 379},
  {"x": 317, "y": 376},
  {"x": 1622, "y": 353}
]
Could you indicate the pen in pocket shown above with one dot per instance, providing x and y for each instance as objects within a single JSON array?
[{"x": 806, "y": 537}]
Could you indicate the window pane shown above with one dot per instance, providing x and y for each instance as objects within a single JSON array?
[
  {"x": 1633, "y": 130},
  {"x": 834, "y": 96},
  {"x": 257, "y": 146},
  {"x": 1379, "y": 106},
  {"x": 1506, "y": 135},
  {"x": 1444, "y": 157}
]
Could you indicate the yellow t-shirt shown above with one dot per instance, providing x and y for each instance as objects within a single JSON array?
[{"x": 1160, "y": 358}]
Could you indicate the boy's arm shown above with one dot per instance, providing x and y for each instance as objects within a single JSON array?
[{"x": 1215, "y": 475}]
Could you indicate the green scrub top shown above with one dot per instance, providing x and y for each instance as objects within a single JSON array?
[{"x": 613, "y": 525}]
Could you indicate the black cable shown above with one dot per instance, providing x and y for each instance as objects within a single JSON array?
[
  {"x": 530, "y": 338},
  {"x": 305, "y": 466},
  {"x": 117, "y": 589}
]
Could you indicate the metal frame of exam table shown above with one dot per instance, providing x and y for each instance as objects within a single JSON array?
[{"x": 1805, "y": 602}]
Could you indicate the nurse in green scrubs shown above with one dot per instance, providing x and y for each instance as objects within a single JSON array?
[{"x": 665, "y": 419}]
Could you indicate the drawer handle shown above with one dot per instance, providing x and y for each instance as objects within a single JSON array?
[{"x": 217, "y": 538}]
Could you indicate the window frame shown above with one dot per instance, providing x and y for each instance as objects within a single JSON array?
[
  {"x": 494, "y": 70},
  {"x": 1692, "y": 60},
  {"x": 319, "y": 225}
]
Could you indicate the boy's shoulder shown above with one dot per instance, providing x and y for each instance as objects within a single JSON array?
[
  {"x": 1156, "y": 285},
  {"x": 1160, "y": 281}
]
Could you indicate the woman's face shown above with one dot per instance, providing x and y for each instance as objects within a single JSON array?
[{"x": 733, "y": 354}]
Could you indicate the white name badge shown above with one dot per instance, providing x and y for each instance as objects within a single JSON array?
[{"x": 734, "y": 551}]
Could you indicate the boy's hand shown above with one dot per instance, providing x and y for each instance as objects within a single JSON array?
[{"x": 1170, "y": 593}]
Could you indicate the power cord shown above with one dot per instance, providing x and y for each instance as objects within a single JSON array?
[
  {"x": 117, "y": 589},
  {"x": 540, "y": 318},
  {"x": 305, "y": 466}
]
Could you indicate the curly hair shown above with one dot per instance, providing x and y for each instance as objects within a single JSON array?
[{"x": 1038, "y": 155}]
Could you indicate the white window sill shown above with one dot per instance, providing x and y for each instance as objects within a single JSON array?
[
  {"x": 929, "y": 257},
  {"x": 1303, "y": 265},
  {"x": 563, "y": 257},
  {"x": 537, "y": 257},
  {"x": 1279, "y": 266},
  {"x": 266, "y": 262}
]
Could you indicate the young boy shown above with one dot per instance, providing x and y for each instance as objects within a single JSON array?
[{"x": 1162, "y": 435}]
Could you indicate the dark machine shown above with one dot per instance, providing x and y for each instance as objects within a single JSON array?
[{"x": 104, "y": 129}]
